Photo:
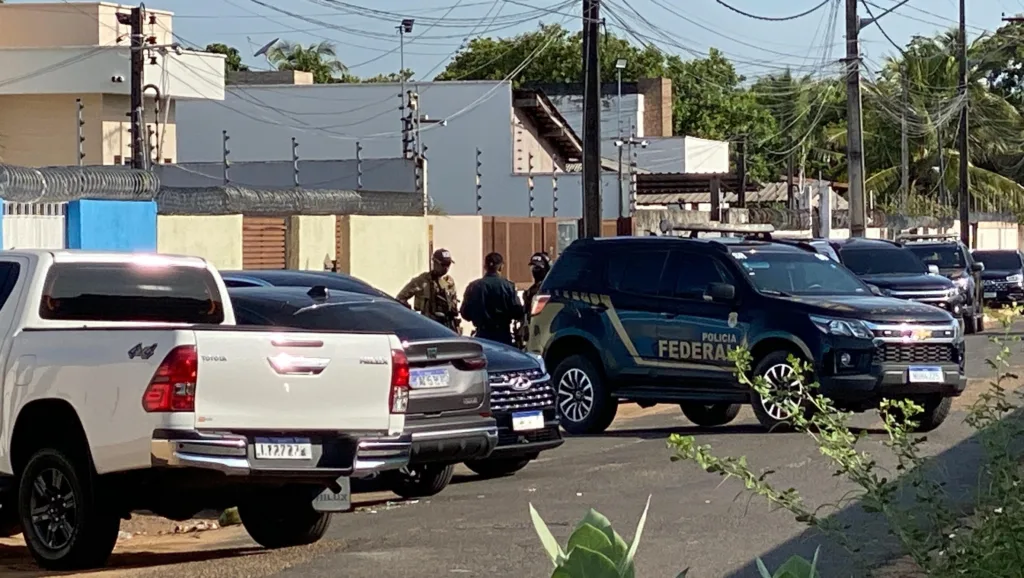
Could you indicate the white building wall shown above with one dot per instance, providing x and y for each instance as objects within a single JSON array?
[{"x": 34, "y": 225}]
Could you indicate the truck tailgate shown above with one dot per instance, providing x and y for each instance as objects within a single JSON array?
[{"x": 293, "y": 381}]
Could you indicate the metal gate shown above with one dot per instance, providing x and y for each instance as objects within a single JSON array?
[
  {"x": 34, "y": 225},
  {"x": 264, "y": 243}
]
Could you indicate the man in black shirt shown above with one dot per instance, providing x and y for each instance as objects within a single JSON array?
[{"x": 491, "y": 303}]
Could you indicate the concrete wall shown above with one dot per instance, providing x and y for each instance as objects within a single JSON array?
[
  {"x": 217, "y": 239},
  {"x": 324, "y": 118},
  {"x": 80, "y": 24},
  {"x": 311, "y": 241},
  {"x": 395, "y": 174},
  {"x": 34, "y": 225},
  {"x": 463, "y": 236},
  {"x": 112, "y": 225},
  {"x": 384, "y": 251}
]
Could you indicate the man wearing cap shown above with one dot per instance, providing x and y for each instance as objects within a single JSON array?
[
  {"x": 491, "y": 303},
  {"x": 540, "y": 264},
  {"x": 433, "y": 292}
]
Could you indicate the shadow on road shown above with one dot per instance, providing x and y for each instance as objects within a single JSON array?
[
  {"x": 17, "y": 562},
  {"x": 662, "y": 433},
  {"x": 958, "y": 467}
]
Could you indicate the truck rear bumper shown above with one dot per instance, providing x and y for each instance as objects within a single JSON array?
[
  {"x": 451, "y": 440},
  {"x": 233, "y": 454}
]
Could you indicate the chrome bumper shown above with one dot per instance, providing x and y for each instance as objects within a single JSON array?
[{"x": 231, "y": 454}]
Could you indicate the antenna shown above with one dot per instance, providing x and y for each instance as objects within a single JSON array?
[{"x": 266, "y": 48}]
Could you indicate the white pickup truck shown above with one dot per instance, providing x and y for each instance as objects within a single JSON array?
[{"x": 127, "y": 386}]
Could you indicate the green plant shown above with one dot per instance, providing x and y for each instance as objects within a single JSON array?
[
  {"x": 595, "y": 550},
  {"x": 930, "y": 526}
]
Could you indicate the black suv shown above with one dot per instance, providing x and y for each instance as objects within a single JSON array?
[
  {"x": 652, "y": 320},
  {"x": 953, "y": 260},
  {"x": 1003, "y": 277},
  {"x": 899, "y": 273}
]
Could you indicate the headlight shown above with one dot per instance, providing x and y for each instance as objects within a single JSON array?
[
  {"x": 1018, "y": 278},
  {"x": 540, "y": 361},
  {"x": 846, "y": 327}
]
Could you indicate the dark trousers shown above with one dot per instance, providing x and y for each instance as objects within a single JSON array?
[{"x": 501, "y": 335}]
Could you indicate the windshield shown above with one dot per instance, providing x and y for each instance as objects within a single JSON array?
[
  {"x": 375, "y": 317},
  {"x": 799, "y": 274},
  {"x": 1004, "y": 260},
  {"x": 883, "y": 262},
  {"x": 942, "y": 256}
]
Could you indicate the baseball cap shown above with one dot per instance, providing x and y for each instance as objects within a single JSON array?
[
  {"x": 443, "y": 256},
  {"x": 540, "y": 259}
]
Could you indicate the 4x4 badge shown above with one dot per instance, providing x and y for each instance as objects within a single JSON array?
[{"x": 733, "y": 319}]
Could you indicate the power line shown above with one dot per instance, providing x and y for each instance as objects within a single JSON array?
[{"x": 775, "y": 18}]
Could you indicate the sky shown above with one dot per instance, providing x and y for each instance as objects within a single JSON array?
[{"x": 368, "y": 43}]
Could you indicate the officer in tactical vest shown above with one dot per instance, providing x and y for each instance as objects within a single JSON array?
[
  {"x": 433, "y": 292},
  {"x": 491, "y": 303},
  {"x": 540, "y": 264}
]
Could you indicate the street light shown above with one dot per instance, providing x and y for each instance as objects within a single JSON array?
[{"x": 620, "y": 64}]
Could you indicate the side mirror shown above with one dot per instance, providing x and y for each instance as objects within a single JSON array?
[
  {"x": 875, "y": 290},
  {"x": 977, "y": 267},
  {"x": 721, "y": 292},
  {"x": 933, "y": 269}
]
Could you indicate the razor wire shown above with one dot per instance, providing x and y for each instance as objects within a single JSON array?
[{"x": 63, "y": 184}]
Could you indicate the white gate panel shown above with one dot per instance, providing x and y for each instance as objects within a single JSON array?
[{"x": 34, "y": 225}]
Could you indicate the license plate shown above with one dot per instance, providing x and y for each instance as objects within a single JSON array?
[
  {"x": 990, "y": 294},
  {"x": 283, "y": 449},
  {"x": 926, "y": 375},
  {"x": 329, "y": 501},
  {"x": 527, "y": 420},
  {"x": 429, "y": 378}
]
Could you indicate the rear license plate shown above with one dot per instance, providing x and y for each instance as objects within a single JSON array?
[
  {"x": 283, "y": 449},
  {"x": 926, "y": 375},
  {"x": 527, "y": 420},
  {"x": 429, "y": 378},
  {"x": 329, "y": 501},
  {"x": 990, "y": 294}
]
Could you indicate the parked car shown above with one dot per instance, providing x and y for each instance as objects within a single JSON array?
[
  {"x": 129, "y": 387},
  {"x": 954, "y": 261},
  {"x": 522, "y": 399},
  {"x": 652, "y": 320},
  {"x": 899, "y": 272},
  {"x": 449, "y": 415},
  {"x": 291, "y": 278},
  {"x": 1003, "y": 277}
]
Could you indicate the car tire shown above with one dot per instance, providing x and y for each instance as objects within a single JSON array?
[
  {"x": 284, "y": 518},
  {"x": 64, "y": 483},
  {"x": 936, "y": 410},
  {"x": 773, "y": 367},
  {"x": 421, "y": 480},
  {"x": 970, "y": 325},
  {"x": 497, "y": 468},
  {"x": 710, "y": 414},
  {"x": 577, "y": 382}
]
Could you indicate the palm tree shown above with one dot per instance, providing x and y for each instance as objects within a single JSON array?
[
  {"x": 928, "y": 67},
  {"x": 321, "y": 59}
]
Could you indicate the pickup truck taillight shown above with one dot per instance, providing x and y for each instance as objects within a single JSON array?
[
  {"x": 539, "y": 301},
  {"x": 173, "y": 386},
  {"x": 399, "y": 398}
]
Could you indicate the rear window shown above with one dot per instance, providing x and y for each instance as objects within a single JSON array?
[
  {"x": 375, "y": 317},
  {"x": 942, "y": 256},
  {"x": 130, "y": 292}
]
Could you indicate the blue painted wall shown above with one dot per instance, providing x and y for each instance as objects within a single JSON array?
[{"x": 111, "y": 225}]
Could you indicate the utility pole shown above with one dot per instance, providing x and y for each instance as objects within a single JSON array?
[
  {"x": 741, "y": 168},
  {"x": 591, "y": 121},
  {"x": 904, "y": 142},
  {"x": 855, "y": 125},
  {"x": 965, "y": 184},
  {"x": 138, "y": 69}
]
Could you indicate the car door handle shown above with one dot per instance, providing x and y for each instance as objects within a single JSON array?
[{"x": 669, "y": 315}]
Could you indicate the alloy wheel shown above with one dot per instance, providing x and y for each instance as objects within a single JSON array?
[
  {"x": 53, "y": 508},
  {"x": 785, "y": 383},
  {"x": 575, "y": 395}
]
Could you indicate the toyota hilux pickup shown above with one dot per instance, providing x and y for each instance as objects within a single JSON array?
[{"x": 127, "y": 386}]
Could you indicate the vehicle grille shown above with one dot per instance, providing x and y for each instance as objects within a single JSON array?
[
  {"x": 540, "y": 395},
  {"x": 915, "y": 353},
  {"x": 994, "y": 285}
]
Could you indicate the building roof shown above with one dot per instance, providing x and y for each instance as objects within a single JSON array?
[
  {"x": 685, "y": 193},
  {"x": 550, "y": 123},
  {"x": 688, "y": 183}
]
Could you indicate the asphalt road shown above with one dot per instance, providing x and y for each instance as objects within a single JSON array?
[{"x": 697, "y": 521}]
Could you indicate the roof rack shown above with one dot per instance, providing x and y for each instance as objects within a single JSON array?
[
  {"x": 935, "y": 237},
  {"x": 764, "y": 231}
]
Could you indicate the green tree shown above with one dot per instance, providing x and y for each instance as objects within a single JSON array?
[
  {"x": 928, "y": 68},
  {"x": 320, "y": 59},
  {"x": 379, "y": 78},
  {"x": 233, "y": 60}
]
